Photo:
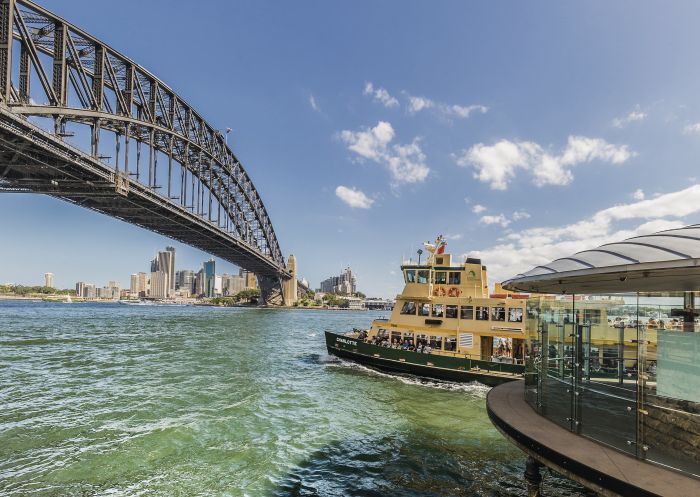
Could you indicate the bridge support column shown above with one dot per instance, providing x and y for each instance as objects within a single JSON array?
[
  {"x": 289, "y": 287},
  {"x": 271, "y": 290}
]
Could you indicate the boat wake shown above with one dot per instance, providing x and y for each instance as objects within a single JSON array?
[{"x": 473, "y": 387}]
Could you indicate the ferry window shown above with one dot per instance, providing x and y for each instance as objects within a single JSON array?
[
  {"x": 395, "y": 337},
  {"x": 438, "y": 260},
  {"x": 411, "y": 276},
  {"x": 421, "y": 339},
  {"x": 482, "y": 313},
  {"x": 440, "y": 278},
  {"x": 591, "y": 316},
  {"x": 409, "y": 307},
  {"x": 451, "y": 311},
  {"x": 436, "y": 343},
  {"x": 515, "y": 315},
  {"x": 467, "y": 312},
  {"x": 455, "y": 278},
  {"x": 498, "y": 314},
  {"x": 381, "y": 333},
  {"x": 437, "y": 310},
  {"x": 451, "y": 343},
  {"x": 423, "y": 277},
  {"x": 424, "y": 309}
]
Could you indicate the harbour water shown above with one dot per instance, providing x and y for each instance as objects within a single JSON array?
[{"x": 103, "y": 399}]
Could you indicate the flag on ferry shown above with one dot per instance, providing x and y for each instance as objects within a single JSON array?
[{"x": 441, "y": 247}]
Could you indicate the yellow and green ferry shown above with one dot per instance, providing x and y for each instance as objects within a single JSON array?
[{"x": 445, "y": 325}]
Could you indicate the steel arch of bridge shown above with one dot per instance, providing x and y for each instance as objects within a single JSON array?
[{"x": 53, "y": 72}]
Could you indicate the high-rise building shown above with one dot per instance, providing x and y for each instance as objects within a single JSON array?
[
  {"x": 134, "y": 285},
  {"x": 171, "y": 268},
  {"x": 185, "y": 280},
  {"x": 89, "y": 291},
  {"x": 80, "y": 289},
  {"x": 250, "y": 280},
  {"x": 209, "y": 277},
  {"x": 343, "y": 284},
  {"x": 160, "y": 286},
  {"x": 165, "y": 262},
  {"x": 48, "y": 280},
  {"x": 232, "y": 284},
  {"x": 199, "y": 282}
]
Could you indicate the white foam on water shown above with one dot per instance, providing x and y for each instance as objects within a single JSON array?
[{"x": 473, "y": 388}]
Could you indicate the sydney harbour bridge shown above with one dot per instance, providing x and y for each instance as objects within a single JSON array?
[{"x": 84, "y": 123}]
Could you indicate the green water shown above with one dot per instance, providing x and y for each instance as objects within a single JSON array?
[{"x": 107, "y": 399}]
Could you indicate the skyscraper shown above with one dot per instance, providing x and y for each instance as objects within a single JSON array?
[
  {"x": 165, "y": 262},
  {"x": 80, "y": 289},
  {"x": 48, "y": 280},
  {"x": 159, "y": 285},
  {"x": 209, "y": 277}
]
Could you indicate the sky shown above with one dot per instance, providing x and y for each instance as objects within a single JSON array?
[{"x": 521, "y": 131}]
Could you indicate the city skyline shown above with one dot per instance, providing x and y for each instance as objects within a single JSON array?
[{"x": 362, "y": 151}]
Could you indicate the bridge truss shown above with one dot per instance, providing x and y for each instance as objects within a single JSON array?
[{"x": 81, "y": 122}]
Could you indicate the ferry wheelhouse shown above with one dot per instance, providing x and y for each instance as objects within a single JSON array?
[{"x": 445, "y": 325}]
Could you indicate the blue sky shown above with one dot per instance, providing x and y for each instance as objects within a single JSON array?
[{"x": 522, "y": 131}]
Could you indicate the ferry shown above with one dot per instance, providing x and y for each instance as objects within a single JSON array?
[{"x": 445, "y": 325}]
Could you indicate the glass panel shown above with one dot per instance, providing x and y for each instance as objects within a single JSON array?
[
  {"x": 455, "y": 278},
  {"x": 482, "y": 313},
  {"x": 440, "y": 277},
  {"x": 451, "y": 311},
  {"x": 437, "y": 310},
  {"x": 515, "y": 315},
  {"x": 451, "y": 343},
  {"x": 498, "y": 314},
  {"x": 467, "y": 312},
  {"x": 409, "y": 307},
  {"x": 436, "y": 342},
  {"x": 424, "y": 309},
  {"x": 423, "y": 276},
  {"x": 410, "y": 276}
]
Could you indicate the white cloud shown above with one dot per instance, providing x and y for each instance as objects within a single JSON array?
[
  {"x": 518, "y": 215},
  {"x": 522, "y": 250},
  {"x": 499, "y": 219},
  {"x": 462, "y": 111},
  {"x": 692, "y": 129},
  {"x": 636, "y": 115},
  {"x": 418, "y": 104},
  {"x": 478, "y": 209},
  {"x": 353, "y": 197},
  {"x": 312, "y": 102},
  {"x": 503, "y": 220},
  {"x": 497, "y": 164},
  {"x": 638, "y": 194},
  {"x": 406, "y": 163},
  {"x": 456, "y": 236},
  {"x": 380, "y": 95}
]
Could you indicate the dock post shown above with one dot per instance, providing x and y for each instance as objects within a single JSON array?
[{"x": 533, "y": 477}]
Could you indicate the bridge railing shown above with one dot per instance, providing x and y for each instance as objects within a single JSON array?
[{"x": 84, "y": 92}]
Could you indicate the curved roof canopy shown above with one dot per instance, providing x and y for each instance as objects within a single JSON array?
[{"x": 663, "y": 261}]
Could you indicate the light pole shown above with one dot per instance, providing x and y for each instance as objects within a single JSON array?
[
  {"x": 420, "y": 252},
  {"x": 228, "y": 130}
]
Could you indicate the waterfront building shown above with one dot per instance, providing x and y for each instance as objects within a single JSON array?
[
  {"x": 232, "y": 284},
  {"x": 160, "y": 286},
  {"x": 165, "y": 262},
  {"x": 134, "y": 285},
  {"x": 80, "y": 289},
  {"x": 89, "y": 291},
  {"x": 185, "y": 280},
  {"x": 209, "y": 268},
  {"x": 611, "y": 396},
  {"x": 48, "y": 280},
  {"x": 343, "y": 284},
  {"x": 199, "y": 283},
  {"x": 251, "y": 281},
  {"x": 378, "y": 304},
  {"x": 217, "y": 286}
]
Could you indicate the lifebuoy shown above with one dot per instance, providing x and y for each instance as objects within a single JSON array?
[
  {"x": 454, "y": 292},
  {"x": 439, "y": 292}
]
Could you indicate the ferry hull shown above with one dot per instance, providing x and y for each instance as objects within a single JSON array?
[{"x": 458, "y": 369}]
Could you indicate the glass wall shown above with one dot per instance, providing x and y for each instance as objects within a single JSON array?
[{"x": 623, "y": 370}]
